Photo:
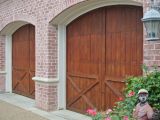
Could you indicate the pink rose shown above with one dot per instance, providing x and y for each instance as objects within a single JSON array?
[
  {"x": 91, "y": 112},
  {"x": 125, "y": 118},
  {"x": 94, "y": 113},
  {"x": 108, "y": 118},
  {"x": 120, "y": 98},
  {"x": 108, "y": 111},
  {"x": 132, "y": 93}
]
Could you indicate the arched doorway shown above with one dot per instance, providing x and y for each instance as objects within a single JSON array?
[
  {"x": 23, "y": 61},
  {"x": 103, "y": 47}
]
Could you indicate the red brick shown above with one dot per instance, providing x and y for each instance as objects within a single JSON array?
[
  {"x": 149, "y": 46},
  {"x": 149, "y": 57},
  {"x": 46, "y": 96},
  {"x": 40, "y": 13},
  {"x": 157, "y": 46},
  {"x": 157, "y": 57}
]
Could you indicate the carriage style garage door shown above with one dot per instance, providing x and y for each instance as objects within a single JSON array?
[
  {"x": 23, "y": 61},
  {"x": 104, "y": 46}
]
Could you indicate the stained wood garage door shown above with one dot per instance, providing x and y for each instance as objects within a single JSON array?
[
  {"x": 104, "y": 46},
  {"x": 23, "y": 61}
]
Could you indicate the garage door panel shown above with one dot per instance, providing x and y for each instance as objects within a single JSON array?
[
  {"x": 32, "y": 47},
  {"x": 84, "y": 56},
  {"x": 18, "y": 75},
  {"x": 86, "y": 100},
  {"x": 121, "y": 48},
  {"x": 73, "y": 83},
  {"x": 94, "y": 91},
  {"x": 83, "y": 88},
  {"x": 76, "y": 106},
  {"x": 20, "y": 52},
  {"x": 107, "y": 43},
  {"x": 21, "y": 84},
  {"x": 23, "y": 61},
  {"x": 31, "y": 84},
  {"x": 114, "y": 90}
]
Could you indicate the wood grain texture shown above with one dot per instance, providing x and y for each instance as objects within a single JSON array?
[
  {"x": 104, "y": 46},
  {"x": 23, "y": 61}
]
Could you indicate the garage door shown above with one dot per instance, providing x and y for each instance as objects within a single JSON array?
[
  {"x": 23, "y": 61},
  {"x": 104, "y": 46}
]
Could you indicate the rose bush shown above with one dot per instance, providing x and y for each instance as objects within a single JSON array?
[
  {"x": 150, "y": 81},
  {"x": 94, "y": 115},
  {"x": 124, "y": 107}
]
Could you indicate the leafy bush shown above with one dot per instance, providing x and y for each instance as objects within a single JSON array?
[
  {"x": 124, "y": 108},
  {"x": 150, "y": 82}
]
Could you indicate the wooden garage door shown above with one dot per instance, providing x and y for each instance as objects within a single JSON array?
[
  {"x": 23, "y": 61},
  {"x": 104, "y": 46}
]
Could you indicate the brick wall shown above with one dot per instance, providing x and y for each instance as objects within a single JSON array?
[
  {"x": 40, "y": 13},
  {"x": 151, "y": 48},
  {"x": 2, "y": 63},
  {"x": 46, "y": 95},
  {"x": 2, "y": 53}
]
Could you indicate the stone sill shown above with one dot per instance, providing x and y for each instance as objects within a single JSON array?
[
  {"x": 3, "y": 72},
  {"x": 45, "y": 80}
]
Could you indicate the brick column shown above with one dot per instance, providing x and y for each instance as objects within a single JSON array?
[
  {"x": 46, "y": 96},
  {"x": 2, "y": 64},
  {"x": 46, "y": 67},
  {"x": 151, "y": 48}
]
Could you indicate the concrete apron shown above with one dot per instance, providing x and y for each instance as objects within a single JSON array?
[{"x": 29, "y": 105}]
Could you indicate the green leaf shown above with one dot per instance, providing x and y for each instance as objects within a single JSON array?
[{"x": 115, "y": 117}]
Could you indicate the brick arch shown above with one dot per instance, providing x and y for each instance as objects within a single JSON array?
[
  {"x": 7, "y": 30},
  {"x": 72, "y": 11},
  {"x": 9, "y": 27}
]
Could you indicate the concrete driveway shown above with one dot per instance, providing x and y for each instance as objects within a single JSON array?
[
  {"x": 17, "y": 107},
  {"x": 11, "y": 112}
]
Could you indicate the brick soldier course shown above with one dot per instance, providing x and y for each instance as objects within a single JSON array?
[{"x": 41, "y": 13}]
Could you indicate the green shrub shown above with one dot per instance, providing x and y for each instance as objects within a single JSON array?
[
  {"x": 150, "y": 82},
  {"x": 124, "y": 108}
]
